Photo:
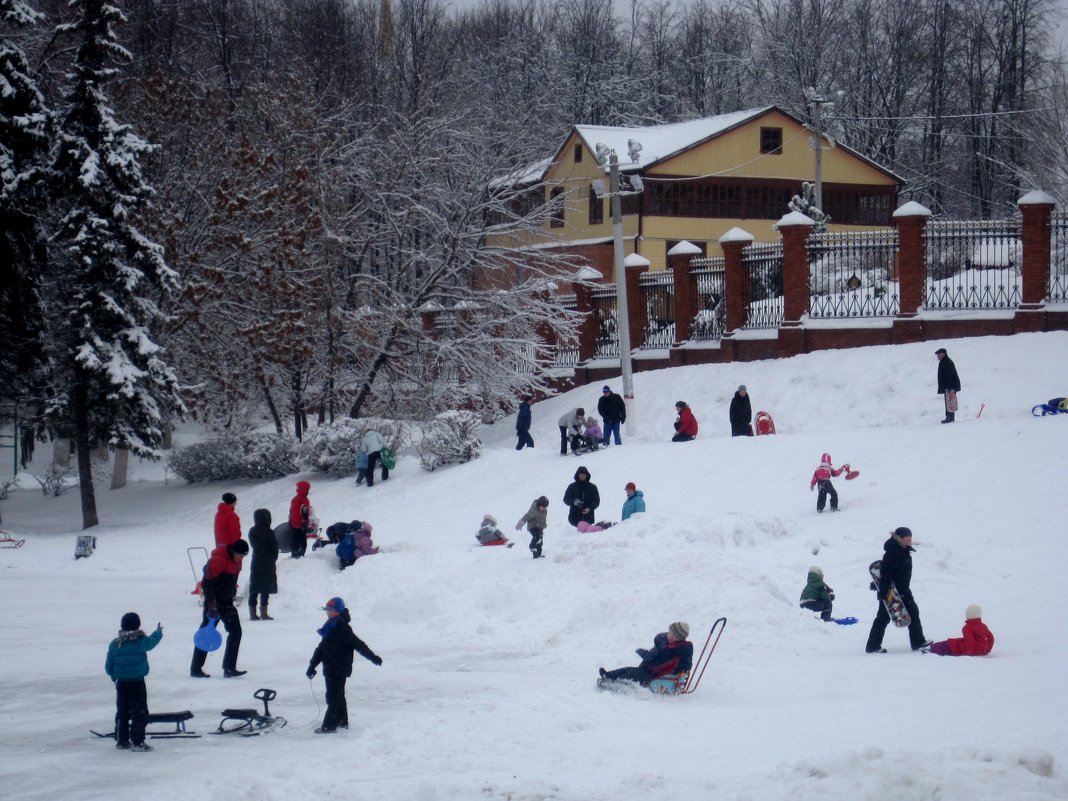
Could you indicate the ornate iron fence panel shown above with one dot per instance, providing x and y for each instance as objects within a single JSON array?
[
  {"x": 764, "y": 304},
  {"x": 566, "y": 353},
  {"x": 604, "y": 312},
  {"x": 972, "y": 264},
  {"x": 849, "y": 274},
  {"x": 657, "y": 290},
  {"x": 1058, "y": 257},
  {"x": 710, "y": 315}
]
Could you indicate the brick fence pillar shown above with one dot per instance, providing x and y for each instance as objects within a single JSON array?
[
  {"x": 584, "y": 306},
  {"x": 679, "y": 258},
  {"x": 794, "y": 229},
  {"x": 735, "y": 278},
  {"x": 1036, "y": 208},
  {"x": 637, "y": 314},
  {"x": 911, "y": 220}
]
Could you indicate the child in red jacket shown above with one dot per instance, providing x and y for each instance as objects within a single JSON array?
[
  {"x": 977, "y": 639},
  {"x": 822, "y": 478}
]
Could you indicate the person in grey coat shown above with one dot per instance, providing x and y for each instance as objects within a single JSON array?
[{"x": 536, "y": 519}]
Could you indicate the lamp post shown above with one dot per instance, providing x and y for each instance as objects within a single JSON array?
[
  {"x": 610, "y": 161},
  {"x": 818, "y": 101}
]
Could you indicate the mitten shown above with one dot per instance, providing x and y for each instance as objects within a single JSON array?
[
  {"x": 872, "y": 587},
  {"x": 159, "y": 627},
  {"x": 519, "y": 526},
  {"x": 310, "y": 673},
  {"x": 811, "y": 487},
  {"x": 212, "y": 610},
  {"x": 376, "y": 660},
  {"x": 831, "y": 596}
]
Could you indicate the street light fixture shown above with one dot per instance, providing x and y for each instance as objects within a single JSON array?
[{"x": 608, "y": 159}]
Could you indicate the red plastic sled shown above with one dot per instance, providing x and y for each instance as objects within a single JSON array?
[
  {"x": 850, "y": 472},
  {"x": 497, "y": 542},
  {"x": 764, "y": 424}
]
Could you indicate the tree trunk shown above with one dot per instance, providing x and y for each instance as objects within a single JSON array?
[
  {"x": 272, "y": 408},
  {"x": 85, "y": 458},
  {"x": 168, "y": 436},
  {"x": 118, "y": 473}
]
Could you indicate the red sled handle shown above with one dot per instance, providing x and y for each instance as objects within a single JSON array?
[{"x": 702, "y": 661}]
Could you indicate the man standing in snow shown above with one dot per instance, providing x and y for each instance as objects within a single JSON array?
[
  {"x": 741, "y": 414},
  {"x": 613, "y": 411},
  {"x": 948, "y": 383},
  {"x": 896, "y": 570}
]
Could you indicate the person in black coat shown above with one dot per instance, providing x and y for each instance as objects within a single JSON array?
[
  {"x": 263, "y": 576},
  {"x": 335, "y": 651},
  {"x": 948, "y": 383},
  {"x": 582, "y": 498},
  {"x": 741, "y": 414},
  {"x": 896, "y": 570},
  {"x": 522, "y": 426},
  {"x": 613, "y": 411}
]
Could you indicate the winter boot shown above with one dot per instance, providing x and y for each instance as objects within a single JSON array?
[
  {"x": 252, "y": 613},
  {"x": 264, "y": 615}
]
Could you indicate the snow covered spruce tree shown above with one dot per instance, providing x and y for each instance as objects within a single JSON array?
[
  {"x": 109, "y": 381},
  {"x": 24, "y": 148}
]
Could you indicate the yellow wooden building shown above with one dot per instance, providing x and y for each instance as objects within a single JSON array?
[{"x": 701, "y": 178}]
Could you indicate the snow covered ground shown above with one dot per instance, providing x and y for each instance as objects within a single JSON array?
[{"x": 487, "y": 690}]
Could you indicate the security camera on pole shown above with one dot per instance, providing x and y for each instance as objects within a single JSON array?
[{"x": 610, "y": 161}]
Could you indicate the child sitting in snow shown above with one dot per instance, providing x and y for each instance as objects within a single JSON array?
[
  {"x": 977, "y": 639},
  {"x": 817, "y": 596},
  {"x": 592, "y": 435},
  {"x": 356, "y": 543},
  {"x": 592, "y": 528},
  {"x": 822, "y": 478},
  {"x": 489, "y": 534}
]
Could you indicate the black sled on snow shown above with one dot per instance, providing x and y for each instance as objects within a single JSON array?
[
  {"x": 178, "y": 732},
  {"x": 249, "y": 722}
]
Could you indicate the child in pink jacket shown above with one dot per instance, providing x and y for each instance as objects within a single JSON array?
[
  {"x": 977, "y": 639},
  {"x": 822, "y": 478}
]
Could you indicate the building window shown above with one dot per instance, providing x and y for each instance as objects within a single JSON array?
[
  {"x": 771, "y": 140},
  {"x": 596, "y": 207},
  {"x": 578, "y": 154},
  {"x": 556, "y": 208}
]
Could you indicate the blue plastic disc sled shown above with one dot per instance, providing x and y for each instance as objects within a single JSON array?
[{"x": 208, "y": 637}]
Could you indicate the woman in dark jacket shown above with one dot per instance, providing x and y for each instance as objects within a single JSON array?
[
  {"x": 582, "y": 498},
  {"x": 263, "y": 577},
  {"x": 895, "y": 571},
  {"x": 741, "y": 414}
]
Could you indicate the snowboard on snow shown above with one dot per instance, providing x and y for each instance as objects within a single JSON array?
[{"x": 899, "y": 615}]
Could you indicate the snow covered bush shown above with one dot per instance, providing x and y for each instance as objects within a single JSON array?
[
  {"x": 331, "y": 449},
  {"x": 251, "y": 455},
  {"x": 54, "y": 480},
  {"x": 451, "y": 438}
]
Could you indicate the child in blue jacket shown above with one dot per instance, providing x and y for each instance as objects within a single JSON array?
[{"x": 127, "y": 665}]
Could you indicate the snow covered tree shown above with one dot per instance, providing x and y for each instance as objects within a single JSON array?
[
  {"x": 24, "y": 148},
  {"x": 109, "y": 380},
  {"x": 806, "y": 204}
]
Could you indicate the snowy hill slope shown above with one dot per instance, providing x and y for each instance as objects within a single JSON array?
[{"x": 487, "y": 687}]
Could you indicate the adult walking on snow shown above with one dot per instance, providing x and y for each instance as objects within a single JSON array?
[
  {"x": 686, "y": 424},
  {"x": 373, "y": 444},
  {"x": 582, "y": 498},
  {"x": 263, "y": 575},
  {"x": 299, "y": 515},
  {"x": 948, "y": 383},
  {"x": 613, "y": 411},
  {"x": 219, "y": 587},
  {"x": 741, "y": 414},
  {"x": 522, "y": 426},
  {"x": 896, "y": 570},
  {"x": 227, "y": 523}
]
